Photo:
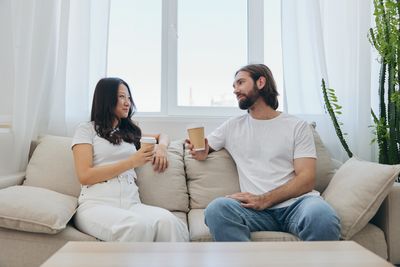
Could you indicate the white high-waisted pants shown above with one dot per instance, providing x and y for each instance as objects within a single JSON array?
[{"x": 112, "y": 211}]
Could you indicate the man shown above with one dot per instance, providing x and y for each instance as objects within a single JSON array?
[{"x": 275, "y": 157}]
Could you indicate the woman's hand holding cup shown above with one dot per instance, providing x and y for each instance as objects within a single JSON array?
[
  {"x": 145, "y": 153},
  {"x": 142, "y": 156}
]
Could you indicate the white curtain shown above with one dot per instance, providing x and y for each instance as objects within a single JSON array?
[
  {"x": 59, "y": 52},
  {"x": 328, "y": 39}
]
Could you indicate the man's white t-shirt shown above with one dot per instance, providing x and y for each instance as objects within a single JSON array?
[{"x": 264, "y": 150}]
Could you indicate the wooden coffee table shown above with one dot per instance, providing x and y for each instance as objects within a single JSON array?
[{"x": 341, "y": 253}]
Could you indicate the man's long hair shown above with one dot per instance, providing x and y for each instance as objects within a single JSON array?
[
  {"x": 105, "y": 100},
  {"x": 269, "y": 92}
]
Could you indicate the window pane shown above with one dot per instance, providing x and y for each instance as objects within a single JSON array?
[
  {"x": 212, "y": 46},
  {"x": 272, "y": 43},
  {"x": 134, "y": 49}
]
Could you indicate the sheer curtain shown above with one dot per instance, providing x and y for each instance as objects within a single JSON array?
[
  {"x": 328, "y": 39},
  {"x": 59, "y": 51}
]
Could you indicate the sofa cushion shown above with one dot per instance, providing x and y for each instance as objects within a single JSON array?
[
  {"x": 357, "y": 190},
  {"x": 324, "y": 166},
  {"x": 51, "y": 166},
  {"x": 215, "y": 177},
  {"x": 198, "y": 230},
  {"x": 167, "y": 189},
  {"x": 34, "y": 209}
]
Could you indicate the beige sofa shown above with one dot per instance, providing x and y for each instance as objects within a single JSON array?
[{"x": 185, "y": 189}]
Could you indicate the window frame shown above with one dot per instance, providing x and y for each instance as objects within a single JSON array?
[{"x": 169, "y": 61}]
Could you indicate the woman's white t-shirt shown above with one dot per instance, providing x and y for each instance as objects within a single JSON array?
[
  {"x": 264, "y": 150},
  {"x": 104, "y": 153}
]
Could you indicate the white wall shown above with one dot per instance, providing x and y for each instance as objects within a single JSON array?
[{"x": 175, "y": 127}]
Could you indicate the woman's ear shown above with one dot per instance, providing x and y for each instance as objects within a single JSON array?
[{"x": 261, "y": 82}]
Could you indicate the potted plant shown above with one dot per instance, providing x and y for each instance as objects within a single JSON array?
[{"x": 385, "y": 38}]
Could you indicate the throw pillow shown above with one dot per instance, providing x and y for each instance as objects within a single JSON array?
[
  {"x": 167, "y": 189},
  {"x": 357, "y": 190},
  {"x": 52, "y": 166},
  {"x": 34, "y": 209}
]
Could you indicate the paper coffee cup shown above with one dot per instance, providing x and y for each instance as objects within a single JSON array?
[
  {"x": 196, "y": 136},
  {"x": 148, "y": 141}
]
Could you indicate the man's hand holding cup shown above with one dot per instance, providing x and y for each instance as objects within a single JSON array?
[
  {"x": 199, "y": 154},
  {"x": 197, "y": 144}
]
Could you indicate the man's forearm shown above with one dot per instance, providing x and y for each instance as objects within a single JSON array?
[{"x": 297, "y": 186}]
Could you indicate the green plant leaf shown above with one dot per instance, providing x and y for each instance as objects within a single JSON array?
[{"x": 337, "y": 106}]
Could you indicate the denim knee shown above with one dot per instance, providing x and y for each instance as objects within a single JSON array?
[
  {"x": 319, "y": 222},
  {"x": 223, "y": 216},
  {"x": 217, "y": 208},
  {"x": 330, "y": 224}
]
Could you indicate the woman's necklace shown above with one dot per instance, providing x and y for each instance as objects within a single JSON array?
[{"x": 114, "y": 130}]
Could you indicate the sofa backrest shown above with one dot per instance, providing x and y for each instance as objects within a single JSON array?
[
  {"x": 167, "y": 189},
  {"x": 215, "y": 177}
]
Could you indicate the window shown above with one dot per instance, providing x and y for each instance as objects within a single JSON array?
[
  {"x": 272, "y": 43},
  {"x": 179, "y": 56},
  {"x": 212, "y": 45},
  {"x": 134, "y": 50}
]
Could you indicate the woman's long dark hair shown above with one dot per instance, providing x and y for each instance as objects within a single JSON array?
[{"x": 105, "y": 100}]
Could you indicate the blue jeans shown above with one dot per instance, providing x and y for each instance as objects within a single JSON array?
[{"x": 309, "y": 218}]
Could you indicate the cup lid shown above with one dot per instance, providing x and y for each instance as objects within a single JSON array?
[
  {"x": 194, "y": 125},
  {"x": 148, "y": 140}
]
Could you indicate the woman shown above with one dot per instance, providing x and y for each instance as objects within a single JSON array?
[{"x": 106, "y": 150}]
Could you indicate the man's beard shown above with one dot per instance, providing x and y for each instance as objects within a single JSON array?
[{"x": 249, "y": 99}]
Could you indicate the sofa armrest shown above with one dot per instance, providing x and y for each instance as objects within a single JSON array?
[
  {"x": 11, "y": 179},
  {"x": 388, "y": 219}
]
